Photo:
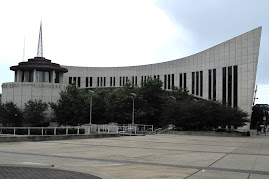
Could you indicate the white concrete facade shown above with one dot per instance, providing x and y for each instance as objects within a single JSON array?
[
  {"x": 237, "y": 57},
  {"x": 241, "y": 51}
]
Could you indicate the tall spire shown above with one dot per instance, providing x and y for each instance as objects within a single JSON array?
[{"x": 40, "y": 43}]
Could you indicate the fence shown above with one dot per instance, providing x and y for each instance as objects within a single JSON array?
[{"x": 85, "y": 129}]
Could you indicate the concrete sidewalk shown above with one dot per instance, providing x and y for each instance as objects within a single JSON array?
[{"x": 154, "y": 156}]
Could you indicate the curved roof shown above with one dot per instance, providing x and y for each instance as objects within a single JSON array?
[{"x": 39, "y": 63}]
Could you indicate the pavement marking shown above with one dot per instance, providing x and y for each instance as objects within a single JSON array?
[
  {"x": 227, "y": 154},
  {"x": 148, "y": 141},
  {"x": 145, "y": 163},
  {"x": 160, "y": 149}
]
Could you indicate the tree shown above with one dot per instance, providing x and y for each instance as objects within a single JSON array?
[
  {"x": 119, "y": 104},
  {"x": 154, "y": 100},
  {"x": 11, "y": 115},
  {"x": 99, "y": 106},
  {"x": 180, "y": 94},
  {"x": 72, "y": 108},
  {"x": 258, "y": 112},
  {"x": 202, "y": 115},
  {"x": 34, "y": 112}
]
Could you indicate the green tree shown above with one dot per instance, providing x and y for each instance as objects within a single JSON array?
[
  {"x": 99, "y": 106},
  {"x": 180, "y": 94},
  {"x": 258, "y": 112},
  {"x": 1, "y": 113},
  {"x": 34, "y": 112},
  {"x": 154, "y": 100},
  {"x": 11, "y": 115},
  {"x": 119, "y": 104},
  {"x": 72, "y": 108},
  {"x": 202, "y": 115}
]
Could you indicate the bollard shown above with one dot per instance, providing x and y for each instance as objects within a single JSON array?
[
  {"x": 55, "y": 131},
  {"x": 14, "y": 131},
  {"x": 29, "y": 131},
  {"x": 66, "y": 131},
  {"x": 42, "y": 130},
  {"x": 78, "y": 131}
]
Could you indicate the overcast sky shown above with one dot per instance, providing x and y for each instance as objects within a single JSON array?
[{"x": 127, "y": 32}]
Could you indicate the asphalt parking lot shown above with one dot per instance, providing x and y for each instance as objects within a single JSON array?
[{"x": 152, "y": 156}]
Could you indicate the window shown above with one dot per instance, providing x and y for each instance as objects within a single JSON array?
[
  {"x": 27, "y": 76},
  {"x": 235, "y": 85},
  {"x": 101, "y": 79},
  {"x": 135, "y": 80},
  {"x": 214, "y": 85},
  {"x": 90, "y": 81},
  {"x": 154, "y": 77},
  {"x": 165, "y": 76},
  {"x": 158, "y": 76},
  {"x": 173, "y": 80},
  {"x": 185, "y": 80},
  {"x": 201, "y": 83},
  {"x": 169, "y": 82},
  {"x": 97, "y": 81},
  {"x": 120, "y": 81},
  {"x": 123, "y": 81},
  {"x": 230, "y": 86},
  {"x": 43, "y": 76},
  {"x": 224, "y": 85},
  {"x": 57, "y": 77},
  {"x": 114, "y": 81},
  {"x": 70, "y": 80},
  {"x": 75, "y": 80},
  {"x": 209, "y": 83},
  {"x": 180, "y": 80},
  {"x": 197, "y": 83},
  {"x": 78, "y": 81},
  {"x": 193, "y": 83},
  {"x": 104, "y": 81},
  {"x": 87, "y": 81},
  {"x": 111, "y": 81}
]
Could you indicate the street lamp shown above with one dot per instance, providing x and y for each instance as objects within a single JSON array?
[
  {"x": 90, "y": 91},
  {"x": 134, "y": 95}
]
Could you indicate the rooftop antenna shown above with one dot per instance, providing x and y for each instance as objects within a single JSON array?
[
  {"x": 40, "y": 43},
  {"x": 23, "y": 56},
  {"x": 255, "y": 95}
]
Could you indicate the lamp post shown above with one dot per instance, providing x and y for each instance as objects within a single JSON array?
[
  {"x": 134, "y": 95},
  {"x": 90, "y": 91}
]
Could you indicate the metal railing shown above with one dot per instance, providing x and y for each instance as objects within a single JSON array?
[
  {"x": 85, "y": 129},
  {"x": 42, "y": 130}
]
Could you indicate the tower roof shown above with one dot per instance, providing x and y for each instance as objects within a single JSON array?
[{"x": 39, "y": 63}]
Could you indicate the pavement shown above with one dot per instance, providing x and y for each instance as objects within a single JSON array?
[{"x": 151, "y": 156}]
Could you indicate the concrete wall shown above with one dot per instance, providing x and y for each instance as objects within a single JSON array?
[
  {"x": 241, "y": 51},
  {"x": 21, "y": 92}
]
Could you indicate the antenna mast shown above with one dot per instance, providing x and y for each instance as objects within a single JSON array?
[
  {"x": 23, "y": 57},
  {"x": 40, "y": 43},
  {"x": 255, "y": 95}
]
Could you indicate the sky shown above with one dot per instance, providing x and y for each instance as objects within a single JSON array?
[{"x": 127, "y": 32}]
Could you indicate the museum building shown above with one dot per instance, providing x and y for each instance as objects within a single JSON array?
[{"x": 225, "y": 73}]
